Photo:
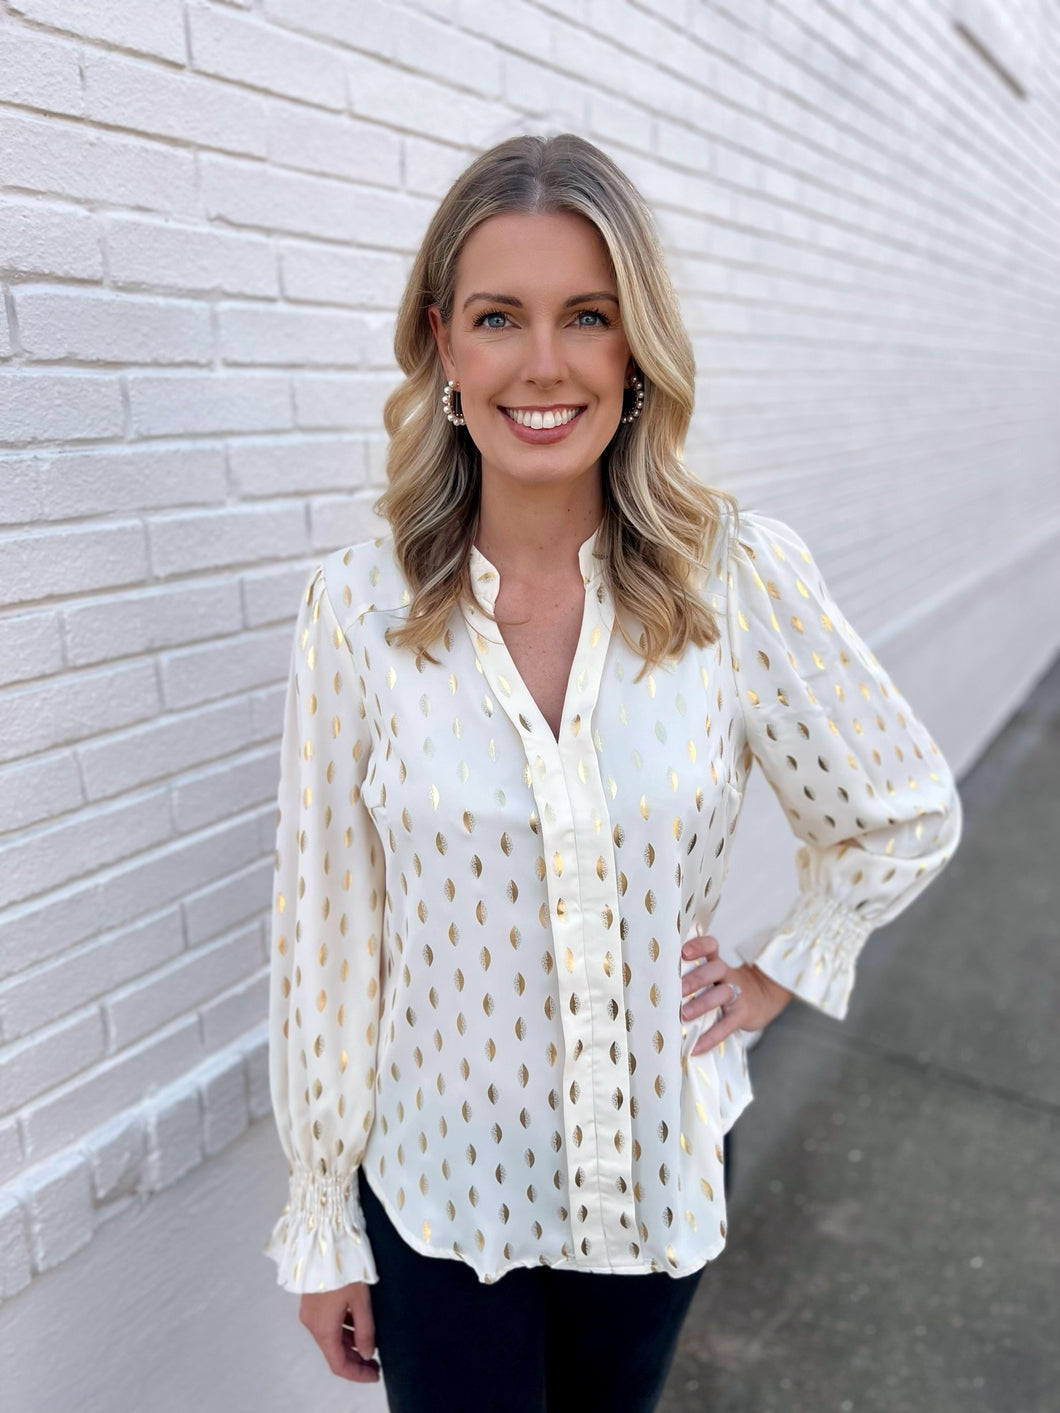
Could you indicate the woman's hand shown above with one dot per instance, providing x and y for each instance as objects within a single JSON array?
[
  {"x": 347, "y": 1344},
  {"x": 709, "y": 984}
]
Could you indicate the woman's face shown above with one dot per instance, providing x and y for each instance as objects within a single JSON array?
[{"x": 536, "y": 346}]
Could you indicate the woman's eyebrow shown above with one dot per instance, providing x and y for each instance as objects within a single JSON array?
[
  {"x": 513, "y": 303},
  {"x": 586, "y": 298},
  {"x": 508, "y": 299}
]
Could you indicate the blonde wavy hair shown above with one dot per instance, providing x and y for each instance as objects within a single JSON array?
[{"x": 659, "y": 521}]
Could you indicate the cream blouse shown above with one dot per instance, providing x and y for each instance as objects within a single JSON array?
[{"x": 475, "y": 963}]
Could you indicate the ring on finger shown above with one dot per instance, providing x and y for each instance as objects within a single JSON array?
[{"x": 735, "y": 993}]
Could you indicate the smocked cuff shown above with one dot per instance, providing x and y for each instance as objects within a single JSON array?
[
  {"x": 814, "y": 950},
  {"x": 319, "y": 1242}
]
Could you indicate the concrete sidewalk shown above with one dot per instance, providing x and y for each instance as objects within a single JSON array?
[{"x": 895, "y": 1222}]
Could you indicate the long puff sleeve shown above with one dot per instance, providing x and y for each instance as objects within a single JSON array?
[
  {"x": 863, "y": 785},
  {"x": 324, "y": 968}
]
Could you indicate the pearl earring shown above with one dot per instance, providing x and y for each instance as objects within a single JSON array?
[
  {"x": 638, "y": 400},
  {"x": 452, "y": 411}
]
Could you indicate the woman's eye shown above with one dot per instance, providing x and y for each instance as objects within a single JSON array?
[
  {"x": 493, "y": 320},
  {"x": 596, "y": 320}
]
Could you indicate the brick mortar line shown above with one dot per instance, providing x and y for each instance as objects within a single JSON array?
[{"x": 67, "y": 38}]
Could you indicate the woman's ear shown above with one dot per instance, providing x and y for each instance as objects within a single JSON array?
[{"x": 441, "y": 338}]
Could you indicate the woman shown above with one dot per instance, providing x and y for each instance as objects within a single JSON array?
[{"x": 505, "y": 1049}]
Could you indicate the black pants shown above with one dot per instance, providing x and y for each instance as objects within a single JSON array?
[{"x": 538, "y": 1340}]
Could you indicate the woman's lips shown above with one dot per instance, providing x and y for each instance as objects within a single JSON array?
[{"x": 541, "y": 436}]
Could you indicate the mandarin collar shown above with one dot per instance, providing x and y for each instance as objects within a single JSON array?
[{"x": 486, "y": 578}]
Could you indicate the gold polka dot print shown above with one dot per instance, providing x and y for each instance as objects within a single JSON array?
[{"x": 476, "y": 927}]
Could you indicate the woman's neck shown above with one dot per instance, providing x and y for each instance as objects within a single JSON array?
[{"x": 533, "y": 533}]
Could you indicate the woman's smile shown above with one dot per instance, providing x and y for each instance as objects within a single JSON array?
[
  {"x": 541, "y": 425},
  {"x": 539, "y": 417}
]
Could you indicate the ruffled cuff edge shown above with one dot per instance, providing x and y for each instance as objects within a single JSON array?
[
  {"x": 814, "y": 951},
  {"x": 319, "y": 1242}
]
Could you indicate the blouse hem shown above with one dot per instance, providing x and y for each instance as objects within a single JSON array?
[{"x": 561, "y": 1263}]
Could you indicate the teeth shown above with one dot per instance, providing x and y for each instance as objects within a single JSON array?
[{"x": 537, "y": 420}]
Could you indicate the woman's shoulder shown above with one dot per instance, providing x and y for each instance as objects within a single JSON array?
[
  {"x": 747, "y": 522},
  {"x": 741, "y": 532},
  {"x": 750, "y": 550},
  {"x": 364, "y": 577},
  {"x": 750, "y": 535}
]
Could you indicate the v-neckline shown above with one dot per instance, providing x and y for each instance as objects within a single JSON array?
[{"x": 499, "y": 668}]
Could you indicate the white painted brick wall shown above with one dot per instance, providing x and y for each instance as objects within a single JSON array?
[
  {"x": 207, "y": 212},
  {"x": 30, "y": 646},
  {"x": 71, "y": 560},
  {"x": 79, "y": 326},
  {"x": 151, "y": 252},
  {"x": 56, "y": 712},
  {"x": 58, "y": 407},
  {"x": 205, "y": 404},
  {"x": 124, "y": 93},
  {"x": 76, "y": 162},
  {"x": 155, "y": 618},
  {"x": 15, "y": 1264},
  {"x": 31, "y": 998},
  {"x": 95, "y": 483},
  {"x": 47, "y": 1058},
  {"x": 60, "y": 241},
  {"x": 125, "y": 24},
  {"x": 143, "y": 1007},
  {"x": 59, "y": 1210},
  {"x": 79, "y": 846},
  {"x": 115, "y": 1156},
  {"x": 38, "y": 789}
]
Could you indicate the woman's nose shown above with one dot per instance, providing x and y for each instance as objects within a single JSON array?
[{"x": 544, "y": 361}]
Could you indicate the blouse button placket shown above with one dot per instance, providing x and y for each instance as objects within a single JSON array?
[{"x": 584, "y": 911}]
